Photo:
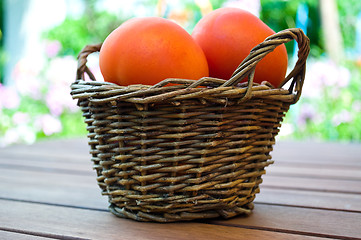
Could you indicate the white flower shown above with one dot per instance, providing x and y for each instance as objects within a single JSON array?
[
  {"x": 21, "y": 133},
  {"x": 252, "y": 6},
  {"x": 286, "y": 130},
  {"x": 27, "y": 80},
  {"x": 324, "y": 73},
  {"x": 20, "y": 118},
  {"x": 61, "y": 71},
  {"x": 9, "y": 97},
  {"x": 343, "y": 117},
  {"x": 49, "y": 124}
]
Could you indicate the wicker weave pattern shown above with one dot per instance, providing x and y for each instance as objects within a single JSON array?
[{"x": 182, "y": 152}]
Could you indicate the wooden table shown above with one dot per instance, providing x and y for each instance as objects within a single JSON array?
[{"x": 48, "y": 190}]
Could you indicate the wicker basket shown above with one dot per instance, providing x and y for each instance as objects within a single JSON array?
[{"x": 176, "y": 153}]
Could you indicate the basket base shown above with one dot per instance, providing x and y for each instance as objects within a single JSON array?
[{"x": 183, "y": 216}]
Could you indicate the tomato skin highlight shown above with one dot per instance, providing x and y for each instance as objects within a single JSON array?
[
  {"x": 227, "y": 36},
  {"x": 147, "y": 50}
]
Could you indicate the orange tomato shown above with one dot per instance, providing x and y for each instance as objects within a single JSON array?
[
  {"x": 227, "y": 36},
  {"x": 148, "y": 50}
]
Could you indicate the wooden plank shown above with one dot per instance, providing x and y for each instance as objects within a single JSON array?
[
  {"x": 78, "y": 160},
  {"x": 315, "y": 222},
  {"x": 82, "y": 190},
  {"x": 310, "y": 199},
  {"x": 289, "y": 157},
  {"x": 79, "y": 163},
  {"x": 317, "y": 152},
  {"x": 278, "y": 168},
  {"x": 82, "y": 168},
  {"x": 67, "y": 157},
  {"x": 51, "y": 148},
  {"x": 312, "y": 184},
  {"x": 21, "y": 235},
  {"x": 308, "y": 162},
  {"x": 70, "y": 166},
  {"x": 316, "y": 198},
  {"x": 318, "y": 165},
  {"x": 284, "y": 151},
  {"x": 52, "y": 187},
  {"x": 48, "y": 156},
  {"x": 323, "y": 172},
  {"x": 83, "y": 223},
  {"x": 16, "y": 157}
]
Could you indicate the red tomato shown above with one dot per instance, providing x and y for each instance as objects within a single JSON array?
[
  {"x": 227, "y": 36},
  {"x": 148, "y": 50}
]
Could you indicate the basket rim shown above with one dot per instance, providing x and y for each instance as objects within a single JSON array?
[
  {"x": 187, "y": 88},
  {"x": 98, "y": 93}
]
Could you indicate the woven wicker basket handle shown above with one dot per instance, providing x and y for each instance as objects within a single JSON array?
[
  {"x": 248, "y": 65},
  {"x": 246, "y": 68},
  {"x": 82, "y": 60}
]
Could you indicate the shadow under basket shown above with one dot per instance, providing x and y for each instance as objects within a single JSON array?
[{"x": 180, "y": 152}]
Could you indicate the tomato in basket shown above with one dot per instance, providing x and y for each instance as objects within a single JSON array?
[
  {"x": 227, "y": 36},
  {"x": 147, "y": 50}
]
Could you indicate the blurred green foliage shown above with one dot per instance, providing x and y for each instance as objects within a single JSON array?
[
  {"x": 348, "y": 12},
  {"x": 334, "y": 113},
  {"x": 280, "y": 15},
  {"x": 91, "y": 28},
  {"x": 94, "y": 26},
  {"x": 323, "y": 121},
  {"x": 2, "y": 61},
  {"x": 2, "y": 54}
]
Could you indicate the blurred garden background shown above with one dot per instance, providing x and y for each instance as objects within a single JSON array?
[{"x": 40, "y": 39}]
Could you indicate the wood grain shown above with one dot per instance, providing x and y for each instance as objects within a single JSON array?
[
  {"x": 313, "y": 191},
  {"x": 87, "y": 198},
  {"x": 82, "y": 223},
  {"x": 317, "y": 152},
  {"x": 57, "y": 187},
  {"x": 310, "y": 199},
  {"x": 20, "y": 235},
  {"x": 313, "y": 184},
  {"x": 52, "y": 187},
  {"x": 333, "y": 224},
  {"x": 325, "y": 172}
]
